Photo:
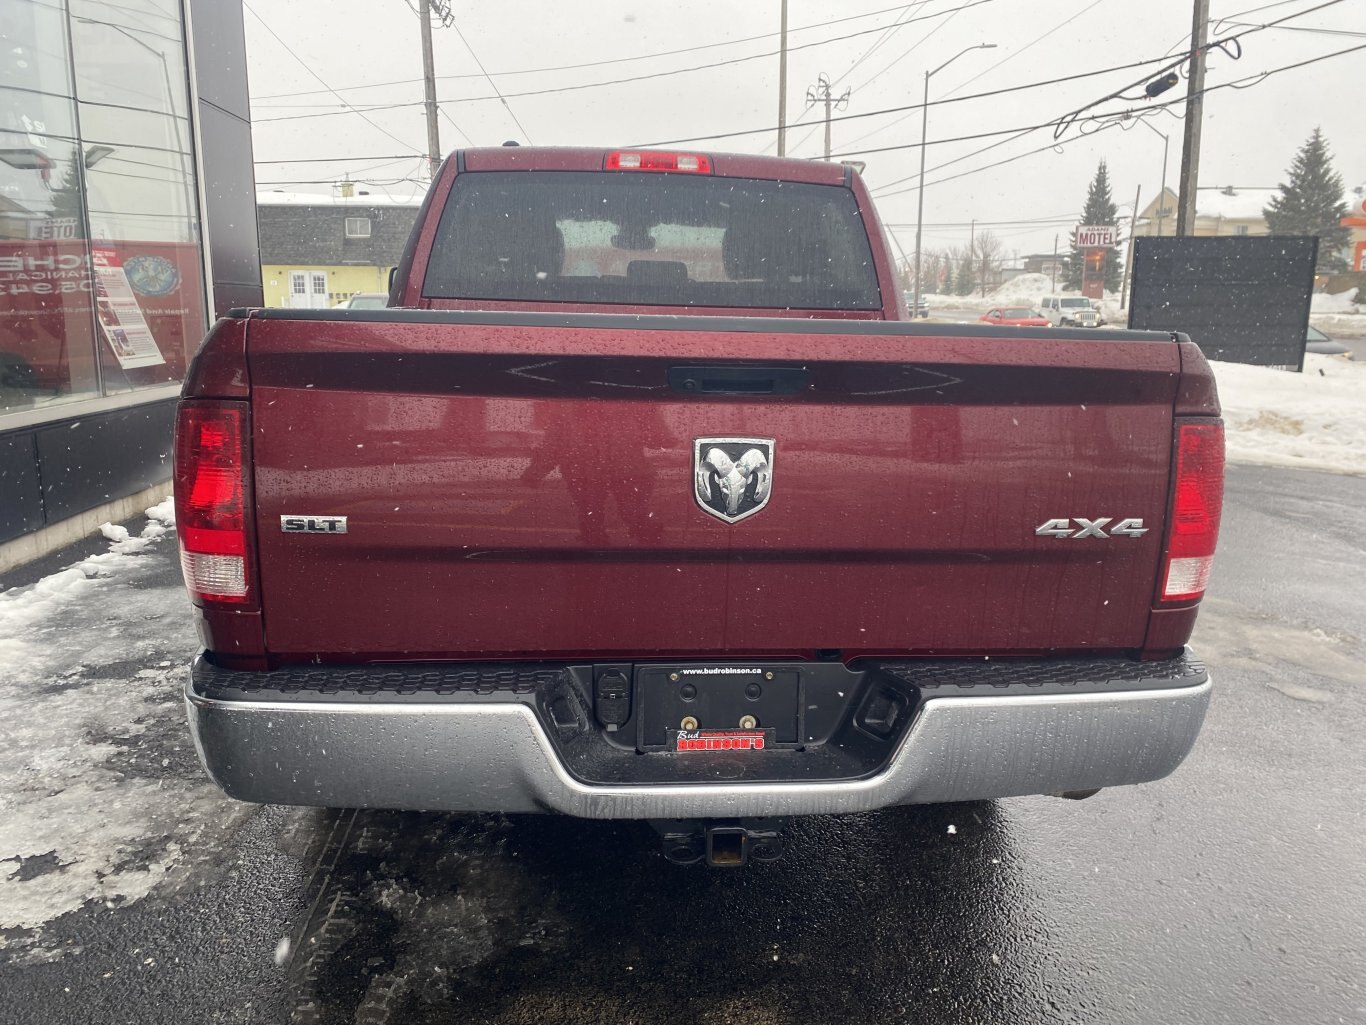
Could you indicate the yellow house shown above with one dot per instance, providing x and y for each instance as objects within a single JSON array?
[
  {"x": 318, "y": 251},
  {"x": 1217, "y": 212}
]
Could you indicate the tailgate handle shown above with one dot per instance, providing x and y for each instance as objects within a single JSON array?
[{"x": 731, "y": 380}]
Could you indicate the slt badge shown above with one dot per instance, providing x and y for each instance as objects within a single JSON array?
[{"x": 733, "y": 476}]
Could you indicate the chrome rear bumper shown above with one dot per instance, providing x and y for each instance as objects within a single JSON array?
[{"x": 496, "y": 755}]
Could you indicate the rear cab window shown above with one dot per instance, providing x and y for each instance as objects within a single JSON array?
[{"x": 650, "y": 239}]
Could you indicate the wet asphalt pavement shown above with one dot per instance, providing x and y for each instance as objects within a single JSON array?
[{"x": 1231, "y": 892}]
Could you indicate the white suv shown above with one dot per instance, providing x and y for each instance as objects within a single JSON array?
[{"x": 1070, "y": 311}]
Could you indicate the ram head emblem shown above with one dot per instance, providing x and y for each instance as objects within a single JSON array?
[{"x": 734, "y": 476}]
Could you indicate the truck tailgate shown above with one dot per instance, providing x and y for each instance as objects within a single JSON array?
[{"x": 523, "y": 485}]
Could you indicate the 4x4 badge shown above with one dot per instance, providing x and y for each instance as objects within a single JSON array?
[{"x": 733, "y": 477}]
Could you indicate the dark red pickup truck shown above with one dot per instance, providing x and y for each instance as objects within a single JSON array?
[{"x": 645, "y": 500}]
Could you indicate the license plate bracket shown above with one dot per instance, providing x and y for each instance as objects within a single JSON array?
[{"x": 718, "y": 699}]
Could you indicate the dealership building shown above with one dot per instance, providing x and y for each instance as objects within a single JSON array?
[{"x": 127, "y": 222}]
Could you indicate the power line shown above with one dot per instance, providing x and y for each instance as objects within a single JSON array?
[
  {"x": 1068, "y": 119},
  {"x": 999, "y": 163},
  {"x": 1305, "y": 28},
  {"x": 336, "y": 160},
  {"x": 993, "y": 67},
  {"x": 908, "y": 51},
  {"x": 726, "y": 63},
  {"x": 904, "y": 54},
  {"x": 1166, "y": 57},
  {"x": 933, "y": 103},
  {"x": 609, "y": 61},
  {"x": 886, "y": 36},
  {"x": 442, "y": 111},
  {"x": 1216, "y": 24},
  {"x": 349, "y": 174},
  {"x": 302, "y": 63},
  {"x": 492, "y": 84},
  {"x": 354, "y": 181},
  {"x": 1249, "y": 80},
  {"x": 898, "y": 24},
  {"x": 1015, "y": 53},
  {"x": 348, "y": 109},
  {"x": 665, "y": 74},
  {"x": 1060, "y": 219},
  {"x": 1250, "y": 10},
  {"x": 1199, "y": 49}
]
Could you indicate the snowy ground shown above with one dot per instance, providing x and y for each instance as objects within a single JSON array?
[
  {"x": 1335, "y": 315},
  {"x": 1315, "y": 420},
  {"x": 100, "y": 790}
]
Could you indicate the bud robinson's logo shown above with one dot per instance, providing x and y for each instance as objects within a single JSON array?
[{"x": 733, "y": 476}]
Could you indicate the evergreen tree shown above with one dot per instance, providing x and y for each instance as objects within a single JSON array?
[
  {"x": 1099, "y": 209},
  {"x": 966, "y": 279},
  {"x": 1312, "y": 203},
  {"x": 947, "y": 287},
  {"x": 66, "y": 194}
]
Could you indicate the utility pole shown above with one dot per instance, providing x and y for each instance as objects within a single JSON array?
[
  {"x": 1053, "y": 285},
  {"x": 820, "y": 93},
  {"x": 442, "y": 10},
  {"x": 1129, "y": 263},
  {"x": 1190, "y": 146},
  {"x": 782, "y": 84}
]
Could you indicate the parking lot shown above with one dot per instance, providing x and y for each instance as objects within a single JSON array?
[{"x": 1230, "y": 892}]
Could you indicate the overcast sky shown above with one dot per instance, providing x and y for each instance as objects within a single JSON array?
[{"x": 368, "y": 50}]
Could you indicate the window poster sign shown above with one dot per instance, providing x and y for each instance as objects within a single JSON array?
[{"x": 120, "y": 317}]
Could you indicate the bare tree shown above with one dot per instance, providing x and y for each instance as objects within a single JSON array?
[
  {"x": 932, "y": 267},
  {"x": 988, "y": 254}
]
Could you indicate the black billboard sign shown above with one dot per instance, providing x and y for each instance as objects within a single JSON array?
[{"x": 1241, "y": 298}]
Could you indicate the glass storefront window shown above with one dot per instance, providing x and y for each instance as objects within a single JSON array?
[
  {"x": 100, "y": 263},
  {"x": 133, "y": 103},
  {"x": 47, "y": 325}
]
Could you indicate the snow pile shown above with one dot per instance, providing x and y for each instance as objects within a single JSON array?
[
  {"x": 163, "y": 513},
  {"x": 1025, "y": 290},
  {"x": 1339, "y": 302},
  {"x": 1315, "y": 420},
  {"x": 101, "y": 795}
]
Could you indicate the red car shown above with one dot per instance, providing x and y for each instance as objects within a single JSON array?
[{"x": 1015, "y": 316}]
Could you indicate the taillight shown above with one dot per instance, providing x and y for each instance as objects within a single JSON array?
[
  {"x": 1198, "y": 500},
  {"x": 632, "y": 160},
  {"x": 211, "y": 500}
]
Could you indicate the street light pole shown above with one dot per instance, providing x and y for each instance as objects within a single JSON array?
[
  {"x": 1162, "y": 203},
  {"x": 920, "y": 191},
  {"x": 1162, "y": 198},
  {"x": 1129, "y": 263}
]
